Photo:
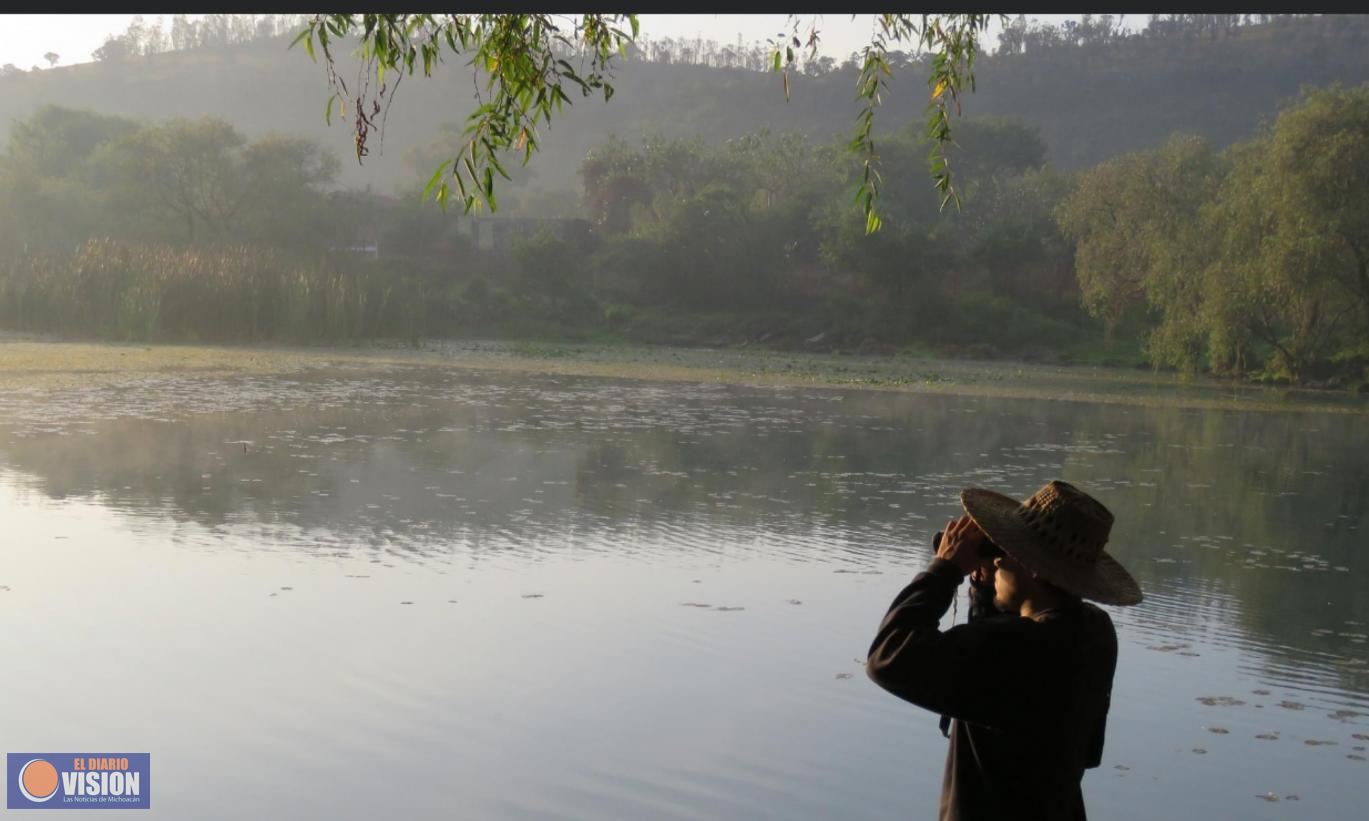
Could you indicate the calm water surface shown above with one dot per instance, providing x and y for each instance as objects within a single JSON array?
[{"x": 425, "y": 593}]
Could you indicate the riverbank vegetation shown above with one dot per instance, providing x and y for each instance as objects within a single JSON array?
[{"x": 1243, "y": 259}]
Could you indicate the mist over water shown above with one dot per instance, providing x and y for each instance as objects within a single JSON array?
[{"x": 490, "y": 595}]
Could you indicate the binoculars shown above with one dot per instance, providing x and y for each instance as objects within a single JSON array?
[{"x": 988, "y": 551}]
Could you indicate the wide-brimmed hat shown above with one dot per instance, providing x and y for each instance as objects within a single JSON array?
[{"x": 1058, "y": 534}]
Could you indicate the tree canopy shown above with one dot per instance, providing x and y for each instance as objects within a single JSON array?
[{"x": 1255, "y": 260}]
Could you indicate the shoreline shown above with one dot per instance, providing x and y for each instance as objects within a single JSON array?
[{"x": 31, "y": 363}]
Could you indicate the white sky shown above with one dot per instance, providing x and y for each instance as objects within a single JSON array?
[{"x": 25, "y": 38}]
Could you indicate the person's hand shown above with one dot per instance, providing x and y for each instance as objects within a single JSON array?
[{"x": 960, "y": 545}]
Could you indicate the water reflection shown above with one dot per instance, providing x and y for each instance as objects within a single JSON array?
[{"x": 1243, "y": 528}]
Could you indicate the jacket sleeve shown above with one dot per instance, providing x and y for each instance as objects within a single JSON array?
[
  {"x": 981, "y": 607},
  {"x": 978, "y": 672}
]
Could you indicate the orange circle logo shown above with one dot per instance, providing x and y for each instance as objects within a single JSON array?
[{"x": 38, "y": 780}]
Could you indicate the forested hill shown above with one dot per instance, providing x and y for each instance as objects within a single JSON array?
[{"x": 1090, "y": 97}]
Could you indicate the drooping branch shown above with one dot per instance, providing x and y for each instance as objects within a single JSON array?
[{"x": 526, "y": 60}]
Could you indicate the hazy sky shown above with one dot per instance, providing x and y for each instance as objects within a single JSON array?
[{"x": 25, "y": 38}]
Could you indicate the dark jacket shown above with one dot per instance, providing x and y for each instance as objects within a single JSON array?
[{"x": 1029, "y": 696}]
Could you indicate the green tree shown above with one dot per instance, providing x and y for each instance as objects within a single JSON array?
[
  {"x": 185, "y": 172},
  {"x": 1134, "y": 222},
  {"x": 733, "y": 223},
  {"x": 46, "y": 176},
  {"x": 56, "y": 141},
  {"x": 988, "y": 147},
  {"x": 202, "y": 181},
  {"x": 1012, "y": 234},
  {"x": 615, "y": 184},
  {"x": 1290, "y": 274},
  {"x": 1318, "y": 159},
  {"x": 1264, "y": 298},
  {"x": 115, "y": 50},
  {"x": 551, "y": 276},
  {"x": 284, "y": 181},
  {"x": 1257, "y": 259}
]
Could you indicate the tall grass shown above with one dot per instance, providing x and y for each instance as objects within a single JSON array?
[{"x": 117, "y": 290}]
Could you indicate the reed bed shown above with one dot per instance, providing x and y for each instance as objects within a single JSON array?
[{"x": 109, "y": 289}]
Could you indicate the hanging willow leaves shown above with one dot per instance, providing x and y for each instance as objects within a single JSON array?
[{"x": 529, "y": 60}]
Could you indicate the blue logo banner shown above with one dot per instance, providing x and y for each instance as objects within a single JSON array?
[{"x": 78, "y": 781}]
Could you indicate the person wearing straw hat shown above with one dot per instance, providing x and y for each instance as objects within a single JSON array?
[{"x": 1028, "y": 679}]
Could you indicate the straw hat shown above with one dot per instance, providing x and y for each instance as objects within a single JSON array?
[{"x": 1059, "y": 534}]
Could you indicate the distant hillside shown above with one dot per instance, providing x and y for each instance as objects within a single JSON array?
[
  {"x": 1089, "y": 101},
  {"x": 1094, "y": 101}
]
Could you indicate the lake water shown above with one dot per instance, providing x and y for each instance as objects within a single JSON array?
[{"x": 422, "y": 593}]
